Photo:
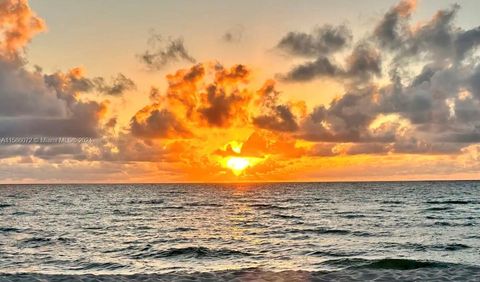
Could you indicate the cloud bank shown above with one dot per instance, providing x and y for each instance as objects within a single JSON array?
[{"x": 409, "y": 88}]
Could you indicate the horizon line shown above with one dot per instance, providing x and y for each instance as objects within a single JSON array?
[{"x": 242, "y": 182}]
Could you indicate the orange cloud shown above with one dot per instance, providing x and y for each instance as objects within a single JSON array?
[
  {"x": 406, "y": 7},
  {"x": 18, "y": 24},
  {"x": 208, "y": 95}
]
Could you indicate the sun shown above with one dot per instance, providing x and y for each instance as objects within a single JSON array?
[{"x": 237, "y": 164}]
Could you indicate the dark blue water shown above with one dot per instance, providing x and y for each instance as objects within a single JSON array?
[{"x": 132, "y": 229}]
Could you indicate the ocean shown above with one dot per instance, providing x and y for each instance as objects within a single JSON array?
[{"x": 212, "y": 232}]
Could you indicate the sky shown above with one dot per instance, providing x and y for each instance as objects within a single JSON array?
[{"x": 232, "y": 91}]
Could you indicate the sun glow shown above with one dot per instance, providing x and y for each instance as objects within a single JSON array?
[{"x": 238, "y": 164}]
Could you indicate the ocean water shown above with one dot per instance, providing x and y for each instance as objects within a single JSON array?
[{"x": 213, "y": 228}]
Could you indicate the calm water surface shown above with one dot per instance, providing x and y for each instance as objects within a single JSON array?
[{"x": 122, "y": 229}]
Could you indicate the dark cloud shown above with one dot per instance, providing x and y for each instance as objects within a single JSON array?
[
  {"x": 75, "y": 81},
  {"x": 7, "y": 151},
  {"x": 435, "y": 39},
  {"x": 321, "y": 41},
  {"x": 234, "y": 34},
  {"x": 424, "y": 76},
  {"x": 120, "y": 84},
  {"x": 366, "y": 148},
  {"x": 158, "y": 123},
  {"x": 60, "y": 151},
  {"x": 220, "y": 108},
  {"x": 364, "y": 62},
  {"x": 34, "y": 104},
  {"x": 164, "y": 51},
  {"x": 415, "y": 146},
  {"x": 467, "y": 41},
  {"x": 392, "y": 29},
  {"x": 24, "y": 93},
  {"x": 346, "y": 120},
  {"x": 361, "y": 65},
  {"x": 322, "y": 150},
  {"x": 320, "y": 67},
  {"x": 474, "y": 82},
  {"x": 432, "y": 111},
  {"x": 275, "y": 116},
  {"x": 281, "y": 118},
  {"x": 83, "y": 121}
]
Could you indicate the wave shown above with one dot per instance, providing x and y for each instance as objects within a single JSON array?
[
  {"x": 445, "y": 223},
  {"x": 102, "y": 266},
  {"x": 333, "y": 253},
  {"x": 376, "y": 270},
  {"x": 9, "y": 229},
  {"x": 124, "y": 213},
  {"x": 184, "y": 229},
  {"x": 18, "y": 213},
  {"x": 426, "y": 247},
  {"x": 36, "y": 242},
  {"x": 287, "y": 216},
  {"x": 455, "y": 247},
  {"x": 350, "y": 215},
  {"x": 5, "y": 205},
  {"x": 268, "y": 207},
  {"x": 189, "y": 252},
  {"x": 452, "y": 202},
  {"x": 439, "y": 208},
  {"x": 173, "y": 207},
  {"x": 200, "y": 204},
  {"x": 147, "y": 202},
  {"x": 392, "y": 202},
  {"x": 403, "y": 264},
  {"x": 334, "y": 231},
  {"x": 385, "y": 263}
]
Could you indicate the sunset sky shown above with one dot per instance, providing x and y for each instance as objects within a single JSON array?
[{"x": 213, "y": 91}]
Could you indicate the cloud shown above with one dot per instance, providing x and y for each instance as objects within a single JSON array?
[
  {"x": 234, "y": 34},
  {"x": 320, "y": 67},
  {"x": 151, "y": 122},
  {"x": 392, "y": 28},
  {"x": 164, "y": 51},
  {"x": 24, "y": 93},
  {"x": 474, "y": 82},
  {"x": 361, "y": 65},
  {"x": 321, "y": 41},
  {"x": 83, "y": 121},
  {"x": 75, "y": 80},
  {"x": 434, "y": 110},
  {"x": 280, "y": 119},
  {"x": 431, "y": 111},
  {"x": 204, "y": 95},
  {"x": 18, "y": 24},
  {"x": 120, "y": 85},
  {"x": 345, "y": 120},
  {"x": 467, "y": 41},
  {"x": 37, "y": 104},
  {"x": 261, "y": 144},
  {"x": 410, "y": 88},
  {"x": 60, "y": 152},
  {"x": 220, "y": 108},
  {"x": 364, "y": 62}
]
